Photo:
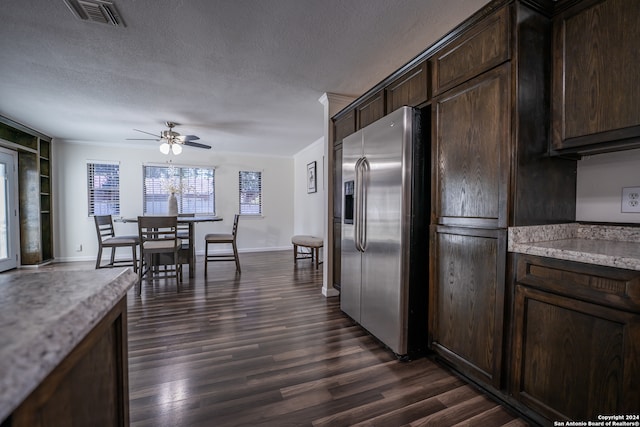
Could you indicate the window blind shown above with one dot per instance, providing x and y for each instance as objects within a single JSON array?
[
  {"x": 250, "y": 188},
  {"x": 194, "y": 188},
  {"x": 103, "y": 184}
]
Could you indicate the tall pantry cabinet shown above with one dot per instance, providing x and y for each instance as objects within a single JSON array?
[{"x": 490, "y": 170}]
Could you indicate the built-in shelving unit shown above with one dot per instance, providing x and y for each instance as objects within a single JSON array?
[
  {"x": 34, "y": 184},
  {"x": 45, "y": 200}
]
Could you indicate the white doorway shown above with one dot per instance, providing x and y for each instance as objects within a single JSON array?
[{"x": 9, "y": 231}]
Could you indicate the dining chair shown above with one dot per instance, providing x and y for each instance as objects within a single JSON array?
[
  {"x": 185, "y": 252},
  {"x": 183, "y": 228},
  {"x": 107, "y": 239},
  {"x": 159, "y": 247},
  {"x": 221, "y": 238}
]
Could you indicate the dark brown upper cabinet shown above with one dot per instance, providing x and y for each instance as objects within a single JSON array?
[
  {"x": 480, "y": 49},
  {"x": 596, "y": 69},
  {"x": 344, "y": 126},
  {"x": 371, "y": 109},
  {"x": 411, "y": 88}
]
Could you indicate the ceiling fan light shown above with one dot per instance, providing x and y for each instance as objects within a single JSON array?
[
  {"x": 164, "y": 148},
  {"x": 176, "y": 149}
]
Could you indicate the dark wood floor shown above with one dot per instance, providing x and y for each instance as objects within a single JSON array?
[{"x": 265, "y": 348}]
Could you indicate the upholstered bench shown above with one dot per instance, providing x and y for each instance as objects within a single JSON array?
[{"x": 312, "y": 245}]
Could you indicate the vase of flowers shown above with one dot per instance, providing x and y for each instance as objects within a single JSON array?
[
  {"x": 172, "y": 204},
  {"x": 173, "y": 185}
]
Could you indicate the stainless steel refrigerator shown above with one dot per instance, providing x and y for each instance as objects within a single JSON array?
[{"x": 385, "y": 205}]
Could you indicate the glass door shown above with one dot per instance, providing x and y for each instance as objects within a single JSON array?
[{"x": 9, "y": 234}]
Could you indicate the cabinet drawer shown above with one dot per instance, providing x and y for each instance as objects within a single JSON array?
[
  {"x": 608, "y": 286},
  {"x": 483, "y": 47}
]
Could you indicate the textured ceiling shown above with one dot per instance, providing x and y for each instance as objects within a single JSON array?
[{"x": 244, "y": 75}]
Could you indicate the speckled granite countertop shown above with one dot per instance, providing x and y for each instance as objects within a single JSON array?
[
  {"x": 43, "y": 316},
  {"x": 612, "y": 246}
]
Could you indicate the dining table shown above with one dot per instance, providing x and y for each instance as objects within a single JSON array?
[{"x": 191, "y": 221}]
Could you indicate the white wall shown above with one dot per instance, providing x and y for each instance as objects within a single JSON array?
[
  {"x": 309, "y": 207},
  {"x": 599, "y": 186},
  {"x": 73, "y": 227}
]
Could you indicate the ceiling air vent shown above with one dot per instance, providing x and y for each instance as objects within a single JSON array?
[{"x": 104, "y": 12}]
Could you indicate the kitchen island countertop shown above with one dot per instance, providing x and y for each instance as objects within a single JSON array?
[
  {"x": 44, "y": 315},
  {"x": 606, "y": 245}
]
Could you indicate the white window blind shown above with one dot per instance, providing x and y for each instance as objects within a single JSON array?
[
  {"x": 103, "y": 184},
  {"x": 194, "y": 188},
  {"x": 250, "y": 185}
]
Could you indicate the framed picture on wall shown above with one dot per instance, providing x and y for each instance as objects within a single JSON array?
[{"x": 311, "y": 178}]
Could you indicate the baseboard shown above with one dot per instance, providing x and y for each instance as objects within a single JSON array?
[{"x": 198, "y": 253}]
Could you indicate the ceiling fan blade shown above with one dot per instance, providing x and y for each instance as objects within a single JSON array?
[
  {"x": 148, "y": 133},
  {"x": 142, "y": 139},
  {"x": 197, "y": 145},
  {"x": 185, "y": 138}
]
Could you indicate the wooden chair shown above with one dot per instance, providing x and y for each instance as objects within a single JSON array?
[
  {"x": 108, "y": 239},
  {"x": 183, "y": 229},
  {"x": 219, "y": 238},
  {"x": 184, "y": 254},
  {"x": 159, "y": 247}
]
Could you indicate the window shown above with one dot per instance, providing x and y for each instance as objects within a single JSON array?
[
  {"x": 250, "y": 185},
  {"x": 194, "y": 188},
  {"x": 103, "y": 184}
]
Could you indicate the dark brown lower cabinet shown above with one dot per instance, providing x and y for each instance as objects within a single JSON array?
[
  {"x": 576, "y": 339},
  {"x": 466, "y": 311},
  {"x": 89, "y": 387},
  {"x": 337, "y": 252}
]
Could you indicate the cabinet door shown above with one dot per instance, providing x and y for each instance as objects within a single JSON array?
[
  {"x": 471, "y": 152},
  {"x": 344, "y": 126},
  {"x": 595, "y": 75},
  {"x": 337, "y": 215},
  {"x": 337, "y": 181},
  {"x": 467, "y": 299},
  {"x": 371, "y": 109},
  {"x": 481, "y": 48},
  {"x": 411, "y": 88},
  {"x": 337, "y": 253},
  {"x": 573, "y": 359},
  {"x": 90, "y": 386}
]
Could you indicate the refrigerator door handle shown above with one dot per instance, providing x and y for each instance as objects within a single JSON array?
[
  {"x": 364, "y": 178},
  {"x": 358, "y": 208}
]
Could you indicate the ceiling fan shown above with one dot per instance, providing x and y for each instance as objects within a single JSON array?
[{"x": 171, "y": 140}]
